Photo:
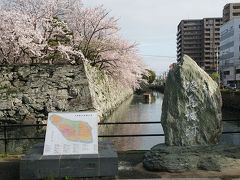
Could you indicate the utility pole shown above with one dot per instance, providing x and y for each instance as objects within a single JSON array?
[
  {"x": 218, "y": 70},
  {"x": 217, "y": 60}
]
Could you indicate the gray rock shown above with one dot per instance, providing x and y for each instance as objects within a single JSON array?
[
  {"x": 50, "y": 107},
  {"x": 5, "y": 105},
  {"x": 23, "y": 111},
  {"x": 61, "y": 105},
  {"x": 18, "y": 83},
  {"x": 62, "y": 94},
  {"x": 23, "y": 72},
  {"x": 1, "y": 114},
  {"x": 38, "y": 107},
  {"x": 11, "y": 113},
  {"x": 73, "y": 92},
  {"x": 26, "y": 99},
  {"x": 191, "y": 110},
  {"x": 29, "y": 119},
  {"x": 9, "y": 76},
  {"x": 5, "y": 83},
  {"x": 191, "y": 158},
  {"x": 40, "y": 116},
  {"x": 17, "y": 101},
  {"x": 62, "y": 85}
]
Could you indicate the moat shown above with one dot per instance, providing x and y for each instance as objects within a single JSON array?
[
  {"x": 134, "y": 109},
  {"x": 137, "y": 109}
]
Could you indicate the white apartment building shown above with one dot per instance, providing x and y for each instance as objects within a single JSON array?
[{"x": 229, "y": 64}]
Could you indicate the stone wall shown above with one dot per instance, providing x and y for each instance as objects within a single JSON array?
[
  {"x": 29, "y": 92},
  {"x": 106, "y": 93}
]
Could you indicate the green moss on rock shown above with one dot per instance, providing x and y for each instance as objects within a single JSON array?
[{"x": 191, "y": 110}]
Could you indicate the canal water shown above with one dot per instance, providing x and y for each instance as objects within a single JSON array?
[
  {"x": 133, "y": 109},
  {"x": 136, "y": 109},
  {"x": 231, "y": 126}
]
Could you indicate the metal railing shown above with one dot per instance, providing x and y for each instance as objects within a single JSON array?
[{"x": 6, "y": 139}]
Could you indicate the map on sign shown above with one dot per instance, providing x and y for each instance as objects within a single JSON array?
[
  {"x": 71, "y": 133},
  {"x": 72, "y": 130}
]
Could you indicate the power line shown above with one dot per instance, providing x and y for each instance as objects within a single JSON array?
[{"x": 156, "y": 56}]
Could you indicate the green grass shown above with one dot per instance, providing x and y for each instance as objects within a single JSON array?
[
  {"x": 3, "y": 155},
  {"x": 3, "y": 87},
  {"x": 8, "y": 92},
  {"x": 68, "y": 178},
  {"x": 12, "y": 91},
  {"x": 11, "y": 156},
  {"x": 52, "y": 42},
  {"x": 50, "y": 177},
  {"x": 229, "y": 91}
]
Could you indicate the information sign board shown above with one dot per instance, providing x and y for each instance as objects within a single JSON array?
[{"x": 71, "y": 133}]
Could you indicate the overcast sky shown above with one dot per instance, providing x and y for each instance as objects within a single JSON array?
[{"x": 153, "y": 23}]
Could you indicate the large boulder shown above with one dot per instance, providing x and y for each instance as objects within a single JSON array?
[
  {"x": 191, "y": 110},
  {"x": 191, "y": 158}
]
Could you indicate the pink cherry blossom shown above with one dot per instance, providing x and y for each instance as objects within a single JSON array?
[{"x": 52, "y": 31}]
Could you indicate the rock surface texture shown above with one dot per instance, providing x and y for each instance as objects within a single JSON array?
[
  {"x": 29, "y": 92},
  {"x": 191, "y": 158},
  {"x": 191, "y": 110}
]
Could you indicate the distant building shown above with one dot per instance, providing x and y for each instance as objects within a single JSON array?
[
  {"x": 230, "y": 52},
  {"x": 200, "y": 39},
  {"x": 189, "y": 39},
  {"x": 230, "y": 11},
  {"x": 211, "y": 43}
]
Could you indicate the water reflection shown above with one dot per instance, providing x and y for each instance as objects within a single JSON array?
[
  {"x": 231, "y": 126},
  {"x": 136, "y": 109},
  {"x": 133, "y": 109}
]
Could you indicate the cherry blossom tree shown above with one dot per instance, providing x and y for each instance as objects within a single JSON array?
[
  {"x": 96, "y": 35},
  {"x": 92, "y": 28},
  {"x": 18, "y": 39},
  {"x": 59, "y": 43},
  {"x": 53, "y": 31},
  {"x": 34, "y": 33}
]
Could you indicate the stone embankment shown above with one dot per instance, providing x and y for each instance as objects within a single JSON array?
[
  {"x": 30, "y": 92},
  {"x": 231, "y": 99}
]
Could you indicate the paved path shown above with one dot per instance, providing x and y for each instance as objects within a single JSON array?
[
  {"x": 9, "y": 169},
  {"x": 130, "y": 167}
]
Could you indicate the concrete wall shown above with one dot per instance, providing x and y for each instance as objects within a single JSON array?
[
  {"x": 29, "y": 92},
  {"x": 231, "y": 99}
]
